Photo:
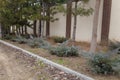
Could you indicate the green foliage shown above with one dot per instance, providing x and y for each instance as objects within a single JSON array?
[
  {"x": 64, "y": 51},
  {"x": 8, "y": 37},
  {"x": 41, "y": 64},
  {"x": 116, "y": 65},
  {"x": 33, "y": 44},
  {"x": 20, "y": 40},
  {"x": 52, "y": 50},
  {"x": 114, "y": 45},
  {"x": 27, "y": 36},
  {"x": 82, "y": 9},
  {"x": 18, "y": 12},
  {"x": 102, "y": 63},
  {"x": 60, "y": 61},
  {"x": 59, "y": 39},
  {"x": 45, "y": 45},
  {"x": 83, "y": 12},
  {"x": 38, "y": 43}
]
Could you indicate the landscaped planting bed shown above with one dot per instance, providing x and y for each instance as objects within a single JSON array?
[{"x": 79, "y": 63}]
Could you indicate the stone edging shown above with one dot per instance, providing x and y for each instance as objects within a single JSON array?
[{"x": 65, "y": 69}]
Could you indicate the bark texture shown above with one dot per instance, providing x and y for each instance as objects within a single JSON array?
[
  {"x": 68, "y": 19},
  {"x": 106, "y": 21},
  {"x": 95, "y": 27}
]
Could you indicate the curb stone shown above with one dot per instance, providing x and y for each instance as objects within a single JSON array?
[{"x": 65, "y": 69}]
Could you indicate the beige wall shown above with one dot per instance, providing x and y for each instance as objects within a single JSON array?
[
  {"x": 58, "y": 28},
  {"x": 115, "y": 21},
  {"x": 84, "y": 24}
]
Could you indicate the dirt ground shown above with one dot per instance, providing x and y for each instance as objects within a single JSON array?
[
  {"x": 14, "y": 65},
  {"x": 11, "y": 70}
]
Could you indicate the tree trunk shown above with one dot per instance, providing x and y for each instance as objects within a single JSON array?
[
  {"x": 75, "y": 23},
  {"x": 48, "y": 23},
  {"x": 26, "y": 30},
  {"x": 19, "y": 30},
  {"x": 43, "y": 21},
  {"x": 34, "y": 28},
  {"x": 22, "y": 30},
  {"x": 8, "y": 30},
  {"x": 13, "y": 30},
  {"x": 106, "y": 22},
  {"x": 68, "y": 19},
  {"x": 39, "y": 28},
  {"x": 0, "y": 31},
  {"x": 95, "y": 27}
]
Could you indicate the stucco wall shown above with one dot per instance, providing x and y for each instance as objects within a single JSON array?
[
  {"x": 58, "y": 28},
  {"x": 115, "y": 21},
  {"x": 84, "y": 25}
]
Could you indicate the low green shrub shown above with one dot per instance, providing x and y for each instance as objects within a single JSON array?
[
  {"x": 101, "y": 64},
  {"x": 8, "y": 37},
  {"x": 116, "y": 65},
  {"x": 52, "y": 50},
  {"x": 20, "y": 40},
  {"x": 45, "y": 45},
  {"x": 38, "y": 43},
  {"x": 114, "y": 45},
  {"x": 64, "y": 51},
  {"x": 27, "y": 36},
  {"x": 34, "y": 43},
  {"x": 104, "y": 64},
  {"x": 59, "y": 39}
]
